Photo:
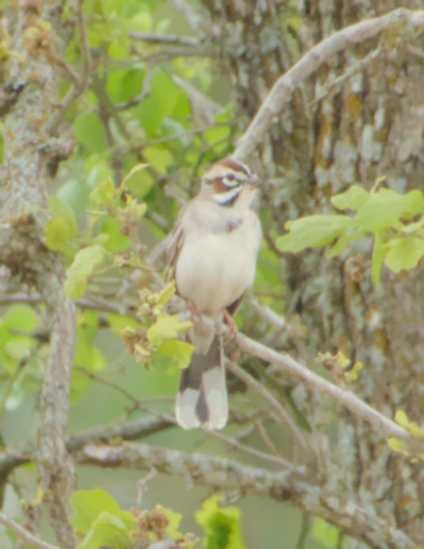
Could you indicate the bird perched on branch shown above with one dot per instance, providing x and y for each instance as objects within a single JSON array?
[{"x": 213, "y": 253}]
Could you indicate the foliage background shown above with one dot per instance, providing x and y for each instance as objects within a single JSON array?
[{"x": 141, "y": 98}]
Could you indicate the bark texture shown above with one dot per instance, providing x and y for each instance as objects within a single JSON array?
[
  {"x": 32, "y": 77},
  {"x": 368, "y": 124}
]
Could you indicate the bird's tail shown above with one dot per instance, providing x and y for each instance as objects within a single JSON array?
[{"x": 202, "y": 400}]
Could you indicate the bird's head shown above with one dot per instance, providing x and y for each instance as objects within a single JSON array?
[{"x": 226, "y": 180}]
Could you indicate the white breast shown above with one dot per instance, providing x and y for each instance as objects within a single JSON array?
[{"x": 215, "y": 268}]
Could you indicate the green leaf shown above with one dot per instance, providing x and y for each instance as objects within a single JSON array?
[
  {"x": 20, "y": 317},
  {"x": 84, "y": 264},
  {"x": 115, "y": 240},
  {"x": 124, "y": 84},
  {"x": 119, "y": 49},
  {"x": 89, "y": 131},
  {"x": 385, "y": 208},
  {"x": 403, "y": 420},
  {"x": 173, "y": 353},
  {"x": 19, "y": 347},
  {"x": 378, "y": 253},
  {"x": 159, "y": 158},
  {"x": 404, "y": 253},
  {"x": 108, "y": 530},
  {"x": 345, "y": 239},
  {"x": 352, "y": 199},
  {"x": 166, "y": 327},
  {"x": 62, "y": 228},
  {"x": 87, "y": 354},
  {"x": 174, "y": 522},
  {"x": 220, "y": 525},
  {"x": 98, "y": 515},
  {"x": 134, "y": 171},
  {"x": 75, "y": 194},
  {"x": 314, "y": 231},
  {"x": 104, "y": 193},
  {"x": 165, "y": 99},
  {"x": 87, "y": 506},
  {"x": 217, "y": 134},
  {"x": 58, "y": 233},
  {"x": 324, "y": 532}
]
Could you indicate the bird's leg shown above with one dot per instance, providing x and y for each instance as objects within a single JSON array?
[
  {"x": 193, "y": 310},
  {"x": 232, "y": 326}
]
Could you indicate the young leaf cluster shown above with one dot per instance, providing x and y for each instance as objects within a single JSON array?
[
  {"x": 99, "y": 521},
  {"x": 156, "y": 339},
  {"x": 394, "y": 221}
]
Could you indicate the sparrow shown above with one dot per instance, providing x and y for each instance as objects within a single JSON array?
[{"x": 213, "y": 252}]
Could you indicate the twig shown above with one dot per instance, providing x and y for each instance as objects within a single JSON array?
[
  {"x": 263, "y": 433},
  {"x": 80, "y": 81},
  {"x": 25, "y": 535},
  {"x": 281, "y": 92},
  {"x": 299, "y": 371},
  {"x": 85, "y": 47},
  {"x": 284, "y": 416},
  {"x": 142, "y": 486},
  {"x": 335, "y": 84},
  {"x": 165, "y": 39},
  {"x": 268, "y": 315},
  {"x": 304, "y": 531},
  {"x": 236, "y": 445},
  {"x": 358, "y": 407},
  {"x": 133, "y": 430},
  {"x": 163, "y": 55}
]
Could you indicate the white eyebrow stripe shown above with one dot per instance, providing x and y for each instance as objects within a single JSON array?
[
  {"x": 224, "y": 198},
  {"x": 231, "y": 182}
]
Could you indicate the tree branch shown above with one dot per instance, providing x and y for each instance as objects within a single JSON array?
[
  {"x": 290, "y": 485},
  {"x": 358, "y": 407},
  {"x": 284, "y": 361},
  {"x": 133, "y": 430},
  {"x": 165, "y": 39},
  {"x": 130, "y": 430},
  {"x": 23, "y": 534},
  {"x": 282, "y": 90},
  {"x": 55, "y": 467}
]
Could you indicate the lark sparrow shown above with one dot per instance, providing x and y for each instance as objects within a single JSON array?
[{"x": 213, "y": 251}]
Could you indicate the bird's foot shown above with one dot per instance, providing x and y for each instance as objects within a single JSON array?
[{"x": 193, "y": 310}]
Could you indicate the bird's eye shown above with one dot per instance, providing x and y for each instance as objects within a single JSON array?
[{"x": 230, "y": 177}]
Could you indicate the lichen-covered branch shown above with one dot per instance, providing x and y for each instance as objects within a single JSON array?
[
  {"x": 131, "y": 430},
  {"x": 295, "y": 369},
  {"x": 23, "y": 198},
  {"x": 55, "y": 466},
  {"x": 282, "y": 90},
  {"x": 291, "y": 485}
]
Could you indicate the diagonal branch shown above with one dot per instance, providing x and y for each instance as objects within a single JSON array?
[
  {"x": 282, "y": 90},
  {"x": 297, "y": 370}
]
